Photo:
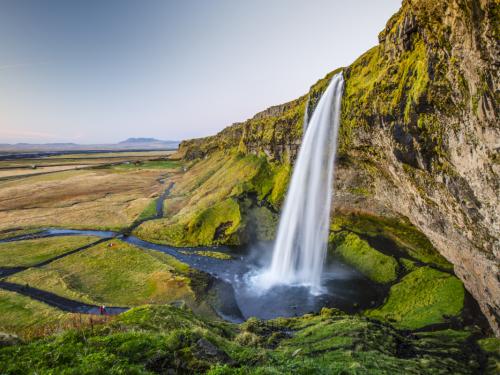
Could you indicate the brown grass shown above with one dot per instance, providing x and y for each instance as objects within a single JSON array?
[
  {"x": 78, "y": 199},
  {"x": 25, "y": 171}
]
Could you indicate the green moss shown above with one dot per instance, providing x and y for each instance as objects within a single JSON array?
[
  {"x": 491, "y": 347},
  {"x": 408, "y": 265},
  {"x": 149, "y": 212},
  {"x": 393, "y": 85},
  {"x": 408, "y": 238},
  {"x": 215, "y": 223},
  {"x": 362, "y": 191},
  {"x": 490, "y": 344},
  {"x": 280, "y": 185},
  {"x": 166, "y": 339},
  {"x": 211, "y": 254},
  {"x": 356, "y": 252},
  {"x": 424, "y": 297}
]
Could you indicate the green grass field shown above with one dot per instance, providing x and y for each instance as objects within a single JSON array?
[
  {"x": 30, "y": 252},
  {"x": 21, "y": 314},
  {"x": 121, "y": 275}
]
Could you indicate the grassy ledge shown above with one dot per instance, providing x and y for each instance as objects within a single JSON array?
[
  {"x": 359, "y": 254},
  {"x": 422, "y": 298}
]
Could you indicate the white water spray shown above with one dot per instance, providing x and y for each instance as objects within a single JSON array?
[{"x": 301, "y": 243}]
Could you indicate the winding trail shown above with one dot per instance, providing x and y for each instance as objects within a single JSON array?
[
  {"x": 55, "y": 300},
  {"x": 159, "y": 210}
]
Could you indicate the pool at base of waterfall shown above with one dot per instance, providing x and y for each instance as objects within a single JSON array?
[{"x": 238, "y": 297}]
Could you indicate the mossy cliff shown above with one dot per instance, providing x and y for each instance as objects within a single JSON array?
[
  {"x": 171, "y": 340},
  {"x": 421, "y": 290},
  {"x": 419, "y": 123},
  {"x": 418, "y": 138},
  {"x": 223, "y": 199}
]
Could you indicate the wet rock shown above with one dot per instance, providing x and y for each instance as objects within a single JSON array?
[
  {"x": 204, "y": 349},
  {"x": 7, "y": 339}
]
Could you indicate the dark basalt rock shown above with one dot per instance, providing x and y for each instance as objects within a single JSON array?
[{"x": 204, "y": 349}]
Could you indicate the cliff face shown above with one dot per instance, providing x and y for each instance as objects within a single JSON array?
[
  {"x": 420, "y": 111},
  {"x": 419, "y": 134}
]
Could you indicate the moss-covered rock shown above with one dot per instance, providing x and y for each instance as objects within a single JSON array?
[
  {"x": 209, "y": 203},
  {"x": 405, "y": 236},
  {"x": 422, "y": 298},
  {"x": 215, "y": 224},
  {"x": 261, "y": 223},
  {"x": 491, "y": 346},
  {"x": 359, "y": 254},
  {"x": 408, "y": 265}
]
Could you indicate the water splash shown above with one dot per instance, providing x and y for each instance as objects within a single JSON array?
[{"x": 300, "y": 247}]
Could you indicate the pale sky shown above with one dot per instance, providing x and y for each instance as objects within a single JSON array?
[{"x": 100, "y": 71}]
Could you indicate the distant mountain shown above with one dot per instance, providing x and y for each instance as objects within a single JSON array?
[
  {"x": 141, "y": 140},
  {"x": 148, "y": 143},
  {"x": 128, "y": 144}
]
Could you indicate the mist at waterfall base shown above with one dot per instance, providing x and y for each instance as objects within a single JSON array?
[{"x": 342, "y": 286}]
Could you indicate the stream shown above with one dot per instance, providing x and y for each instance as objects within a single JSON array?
[{"x": 233, "y": 297}]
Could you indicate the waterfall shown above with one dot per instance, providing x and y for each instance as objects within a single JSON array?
[{"x": 301, "y": 243}]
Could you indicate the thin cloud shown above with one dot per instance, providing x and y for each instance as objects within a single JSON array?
[{"x": 14, "y": 66}]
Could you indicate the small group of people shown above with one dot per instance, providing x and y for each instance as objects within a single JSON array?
[{"x": 102, "y": 310}]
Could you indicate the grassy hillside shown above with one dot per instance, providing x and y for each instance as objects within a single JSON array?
[
  {"x": 207, "y": 204},
  {"x": 22, "y": 314},
  {"x": 121, "y": 275},
  {"x": 166, "y": 339}
]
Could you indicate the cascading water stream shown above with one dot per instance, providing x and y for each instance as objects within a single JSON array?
[{"x": 301, "y": 244}]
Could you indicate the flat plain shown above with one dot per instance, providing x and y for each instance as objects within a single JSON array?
[{"x": 109, "y": 195}]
